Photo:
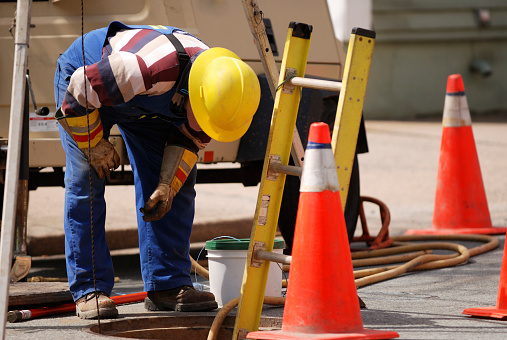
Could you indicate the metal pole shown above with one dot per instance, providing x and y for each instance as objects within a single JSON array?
[
  {"x": 254, "y": 17},
  {"x": 22, "y": 262},
  {"x": 13, "y": 153}
]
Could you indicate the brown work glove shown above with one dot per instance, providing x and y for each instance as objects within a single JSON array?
[
  {"x": 103, "y": 158},
  {"x": 159, "y": 203},
  {"x": 176, "y": 166}
]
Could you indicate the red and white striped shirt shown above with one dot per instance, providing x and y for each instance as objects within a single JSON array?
[{"x": 135, "y": 62}]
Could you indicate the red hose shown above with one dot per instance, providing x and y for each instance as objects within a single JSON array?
[
  {"x": 26, "y": 314},
  {"x": 129, "y": 298}
]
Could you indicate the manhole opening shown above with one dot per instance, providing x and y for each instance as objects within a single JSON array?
[{"x": 181, "y": 327}]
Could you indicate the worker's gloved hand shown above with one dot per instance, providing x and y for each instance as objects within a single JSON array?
[
  {"x": 159, "y": 203},
  {"x": 88, "y": 135},
  {"x": 103, "y": 158},
  {"x": 176, "y": 166}
]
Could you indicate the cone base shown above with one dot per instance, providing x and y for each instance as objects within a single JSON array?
[
  {"x": 363, "y": 334},
  {"x": 455, "y": 231},
  {"x": 489, "y": 312}
]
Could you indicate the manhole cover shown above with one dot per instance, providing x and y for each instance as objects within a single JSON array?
[{"x": 175, "y": 327}]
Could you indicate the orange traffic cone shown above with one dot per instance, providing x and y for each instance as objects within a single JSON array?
[
  {"x": 314, "y": 308},
  {"x": 500, "y": 310},
  {"x": 460, "y": 201}
]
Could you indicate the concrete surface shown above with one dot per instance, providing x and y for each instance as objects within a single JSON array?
[{"x": 400, "y": 169}]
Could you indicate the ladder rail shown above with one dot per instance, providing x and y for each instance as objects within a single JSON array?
[{"x": 350, "y": 105}]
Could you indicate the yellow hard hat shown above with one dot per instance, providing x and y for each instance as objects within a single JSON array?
[{"x": 224, "y": 94}]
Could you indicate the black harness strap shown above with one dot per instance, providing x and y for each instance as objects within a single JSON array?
[{"x": 183, "y": 56}]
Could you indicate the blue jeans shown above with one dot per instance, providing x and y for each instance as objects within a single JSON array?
[{"x": 164, "y": 244}]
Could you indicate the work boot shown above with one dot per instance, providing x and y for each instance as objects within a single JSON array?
[
  {"x": 86, "y": 307},
  {"x": 180, "y": 299}
]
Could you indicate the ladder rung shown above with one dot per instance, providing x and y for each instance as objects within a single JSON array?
[
  {"x": 273, "y": 257},
  {"x": 318, "y": 84},
  {"x": 286, "y": 169}
]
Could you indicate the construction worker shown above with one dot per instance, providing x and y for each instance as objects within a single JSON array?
[{"x": 169, "y": 94}]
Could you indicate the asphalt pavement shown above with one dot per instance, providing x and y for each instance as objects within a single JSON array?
[{"x": 400, "y": 170}]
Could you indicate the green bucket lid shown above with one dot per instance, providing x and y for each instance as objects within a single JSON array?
[{"x": 238, "y": 244}]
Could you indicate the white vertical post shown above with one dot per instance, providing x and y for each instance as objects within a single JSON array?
[
  {"x": 347, "y": 14},
  {"x": 13, "y": 153}
]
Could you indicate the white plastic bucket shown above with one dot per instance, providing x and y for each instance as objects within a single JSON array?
[{"x": 226, "y": 265}]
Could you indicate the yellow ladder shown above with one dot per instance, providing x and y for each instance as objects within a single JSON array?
[
  {"x": 269, "y": 199},
  {"x": 276, "y": 160}
]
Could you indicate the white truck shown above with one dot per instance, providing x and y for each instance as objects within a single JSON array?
[{"x": 55, "y": 24}]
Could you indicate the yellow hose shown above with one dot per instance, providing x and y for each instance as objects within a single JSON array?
[{"x": 388, "y": 259}]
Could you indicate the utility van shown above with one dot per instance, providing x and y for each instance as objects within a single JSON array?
[{"x": 57, "y": 23}]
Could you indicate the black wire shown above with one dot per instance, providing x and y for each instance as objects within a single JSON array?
[
  {"x": 89, "y": 168},
  {"x": 258, "y": 14}
]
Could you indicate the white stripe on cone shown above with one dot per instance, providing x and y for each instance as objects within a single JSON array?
[
  {"x": 456, "y": 112},
  {"x": 319, "y": 171}
]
